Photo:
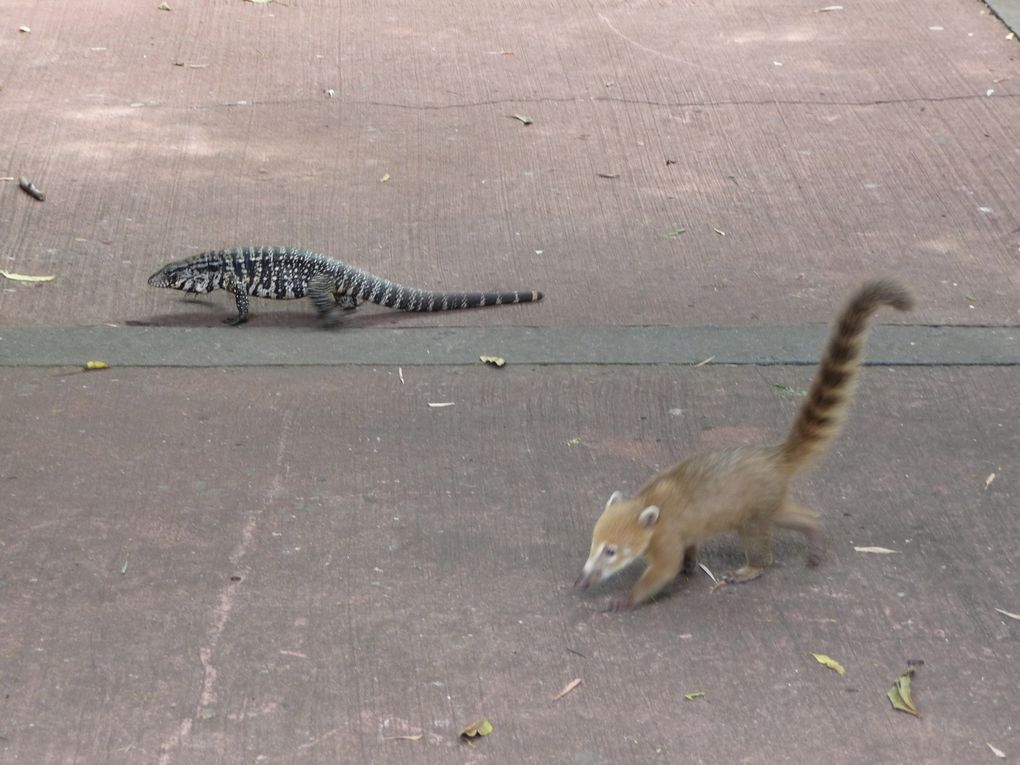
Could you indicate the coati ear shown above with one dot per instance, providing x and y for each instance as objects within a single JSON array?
[
  {"x": 648, "y": 516},
  {"x": 616, "y": 497}
]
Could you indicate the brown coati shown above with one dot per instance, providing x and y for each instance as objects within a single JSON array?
[{"x": 745, "y": 490}]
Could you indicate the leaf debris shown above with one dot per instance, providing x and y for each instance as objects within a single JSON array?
[
  {"x": 694, "y": 696},
  {"x": 440, "y": 404},
  {"x": 25, "y": 277},
  {"x": 416, "y": 737},
  {"x": 708, "y": 571},
  {"x": 479, "y": 728},
  {"x": 91, "y": 366},
  {"x": 704, "y": 361},
  {"x": 997, "y": 752},
  {"x": 1010, "y": 615},
  {"x": 574, "y": 441},
  {"x": 675, "y": 233},
  {"x": 31, "y": 189},
  {"x": 899, "y": 694},
  {"x": 164, "y": 6},
  {"x": 831, "y": 663},
  {"x": 495, "y": 361},
  {"x": 787, "y": 390},
  {"x": 988, "y": 480},
  {"x": 400, "y": 374},
  {"x": 719, "y": 231},
  {"x": 572, "y": 685},
  {"x": 829, "y": 8},
  {"x": 523, "y": 118},
  {"x": 25, "y": 29},
  {"x": 386, "y": 177},
  {"x": 876, "y": 550},
  {"x": 611, "y": 176}
]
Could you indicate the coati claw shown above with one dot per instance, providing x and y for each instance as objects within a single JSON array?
[{"x": 620, "y": 603}]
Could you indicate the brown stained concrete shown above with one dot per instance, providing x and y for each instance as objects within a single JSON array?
[
  {"x": 825, "y": 145},
  {"x": 245, "y": 566}
]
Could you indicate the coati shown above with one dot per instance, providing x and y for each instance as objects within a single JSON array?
[{"x": 745, "y": 490}]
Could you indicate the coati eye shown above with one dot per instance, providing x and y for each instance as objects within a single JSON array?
[{"x": 609, "y": 551}]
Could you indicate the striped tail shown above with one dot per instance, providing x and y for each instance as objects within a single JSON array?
[
  {"x": 365, "y": 286},
  {"x": 821, "y": 416}
]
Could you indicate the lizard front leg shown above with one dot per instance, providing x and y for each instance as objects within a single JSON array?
[
  {"x": 230, "y": 284},
  {"x": 322, "y": 291}
]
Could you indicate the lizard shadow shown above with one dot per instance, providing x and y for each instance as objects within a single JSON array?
[{"x": 298, "y": 316}]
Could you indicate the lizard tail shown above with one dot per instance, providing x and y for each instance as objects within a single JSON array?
[{"x": 392, "y": 295}]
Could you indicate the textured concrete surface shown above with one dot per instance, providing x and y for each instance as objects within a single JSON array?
[
  {"x": 223, "y": 566},
  {"x": 262, "y": 545},
  {"x": 879, "y": 137}
]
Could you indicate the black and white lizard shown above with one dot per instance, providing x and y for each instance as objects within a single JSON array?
[{"x": 284, "y": 273}]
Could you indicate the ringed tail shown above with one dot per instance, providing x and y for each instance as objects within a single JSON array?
[
  {"x": 822, "y": 414},
  {"x": 389, "y": 294}
]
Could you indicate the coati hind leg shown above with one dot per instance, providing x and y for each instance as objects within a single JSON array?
[
  {"x": 794, "y": 515},
  {"x": 756, "y": 538}
]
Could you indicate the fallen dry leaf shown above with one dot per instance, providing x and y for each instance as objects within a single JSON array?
[
  {"x": 719, "y": 231},
  {"x": 829, "y": 8},
  {"x": 496, "y": 361},
  {"x": 900, "y": 696},
  {"x": 1007, "y": 613},
  {"x": 93, "y": 365},
  {"x": 573, "y": 441},
  {"x": 568, "y": 688},
  {"x": 479, "y": 728},
  {"x": 523, "y": 118},
  {"x": 26, "y": 277},
  {"x": 385, "y": 178},
  {"x": 705, "y": 361},
  {"x": 416, "y": 737},
  {"x": 26, "y": 30},
  {"x": 693, "y": 696},
  {"x": 708, "y": 571},
  {"x": 610, "y": 176},
  {"x": 31, "y": 189},
  {"x": 164, "y": 6},
  {"x": 440, "y": 404},
  {"x": 829, "y": 662},
  {"x": 877, "y": 550},
  {"x": 989, "y": 479},
  {"x": 997, "y": 752},
  {"x": 400, "y": 374}
]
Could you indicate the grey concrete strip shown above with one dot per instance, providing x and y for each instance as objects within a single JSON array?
[
  {"x": 1008, "y": 11},
  {"x": 275, "y": 346}
]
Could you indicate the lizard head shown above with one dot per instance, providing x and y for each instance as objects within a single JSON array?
[{"x": 191, "y": 275}]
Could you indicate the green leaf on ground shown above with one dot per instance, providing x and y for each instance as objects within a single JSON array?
[
  {"x": 829, "y": 662},
  {"x": 479, "y": 728},
  {"x": 693, "y": 696},
  {"x": 900, "y": 695}
]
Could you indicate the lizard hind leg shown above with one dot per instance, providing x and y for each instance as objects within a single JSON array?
[{"x": 322, "y": 291}]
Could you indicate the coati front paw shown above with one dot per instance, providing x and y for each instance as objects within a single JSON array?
[
  {"x": 620, "y": 603},
  {"x": 235, "y": 321},
  {"x": 743, "y": 575}
]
